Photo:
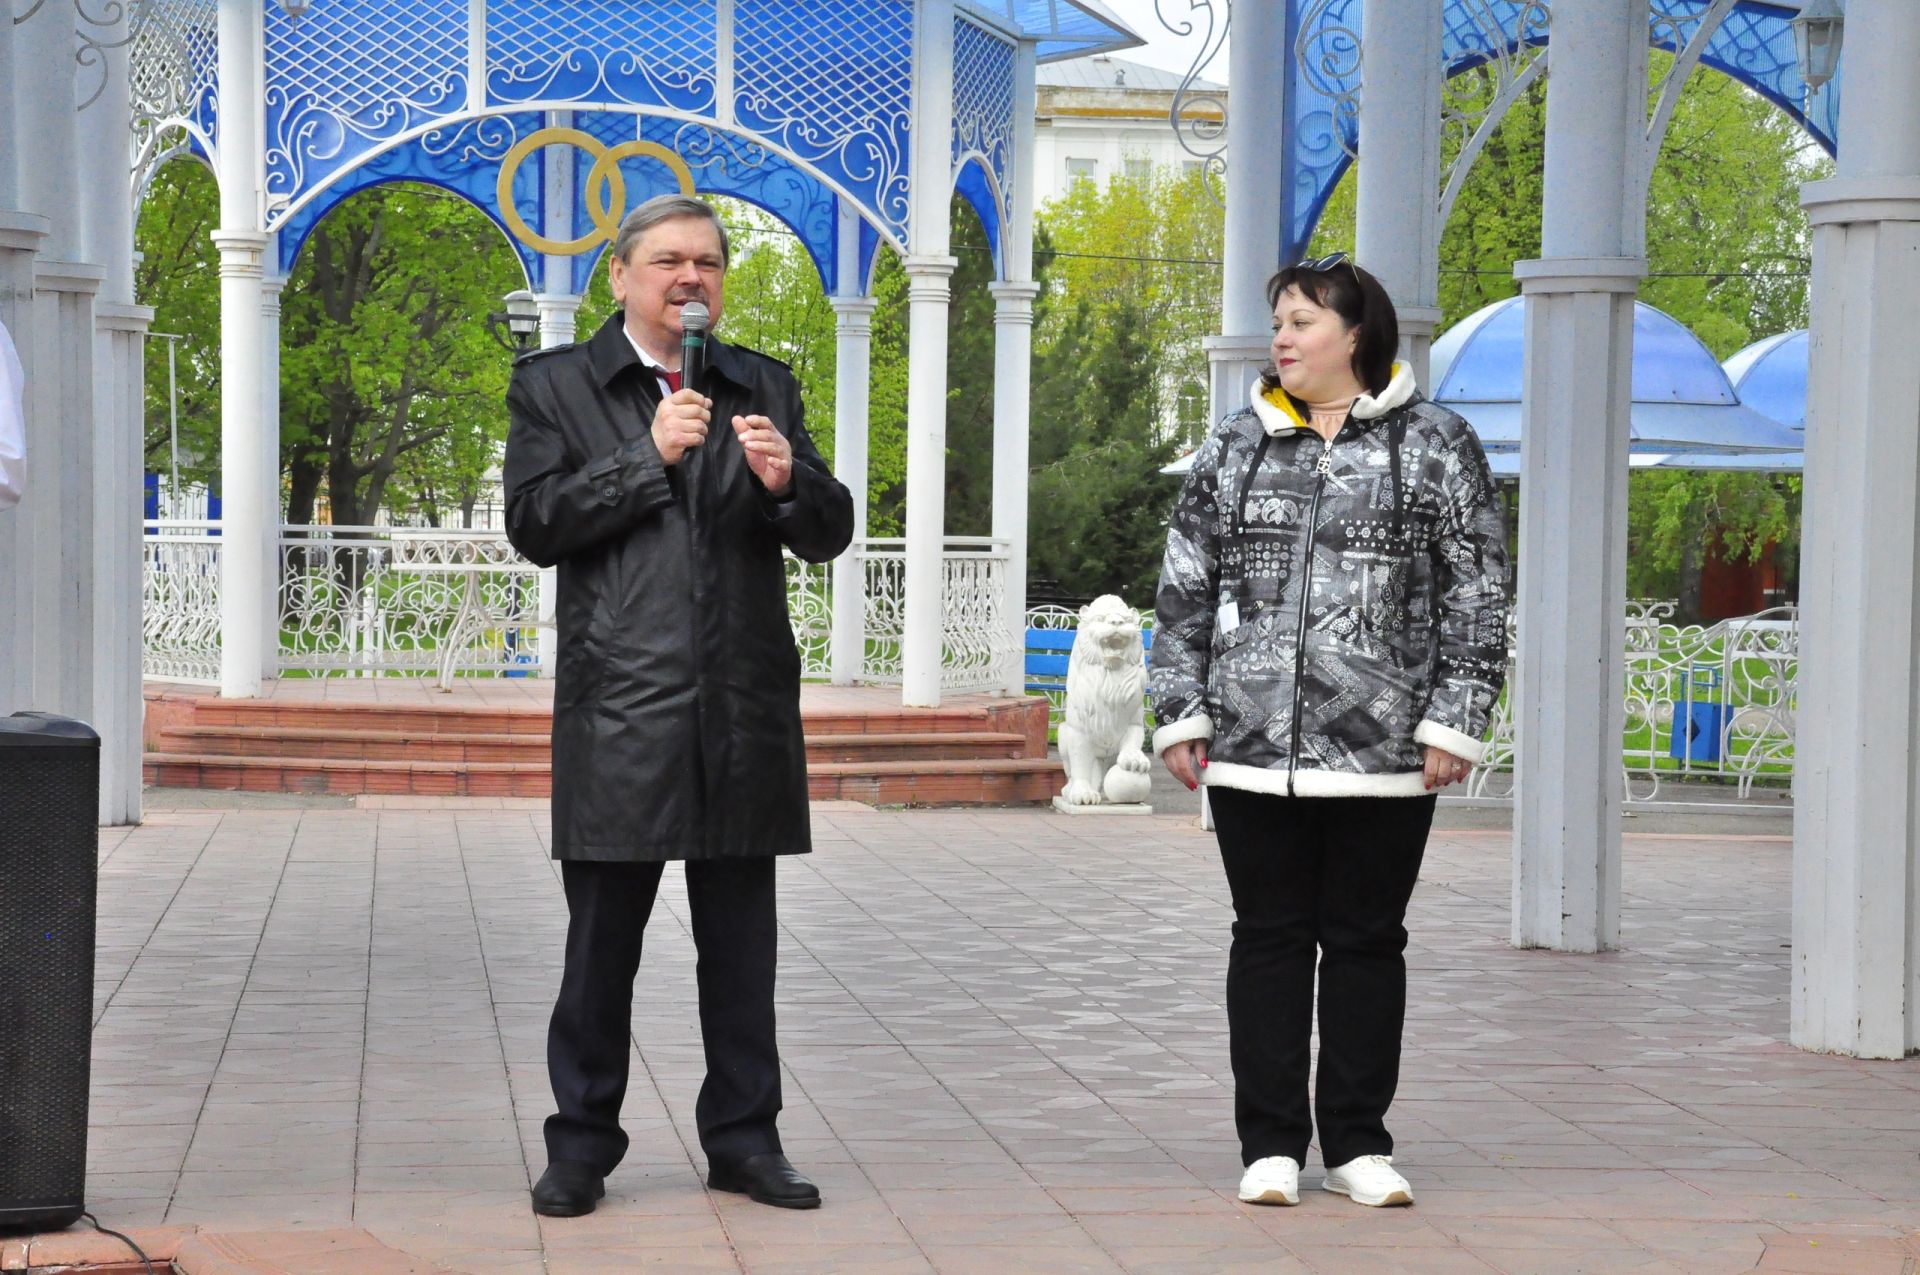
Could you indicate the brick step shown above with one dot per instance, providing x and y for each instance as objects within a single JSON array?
[
  {"x": 988, "y": 782},
  {"x": 335, "y": 744},
  {"x": 346, "y": 776},
  {"x": 981, "y": 781},
  {"x": 170, "y": 709}
]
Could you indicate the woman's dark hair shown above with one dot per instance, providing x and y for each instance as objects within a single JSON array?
[{"x": 1360, "y": 301}]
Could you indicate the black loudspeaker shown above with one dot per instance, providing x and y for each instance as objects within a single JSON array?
[{"x": 49, "y": 873}]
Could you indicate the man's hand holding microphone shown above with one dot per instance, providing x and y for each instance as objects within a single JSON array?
[{"x": 683, "y": 417}]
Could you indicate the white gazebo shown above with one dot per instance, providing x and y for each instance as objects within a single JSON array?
[{"x": 855, "y": 122}]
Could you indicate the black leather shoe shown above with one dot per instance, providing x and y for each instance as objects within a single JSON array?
[
  {"x": 568, "y": 1189},
  {"x": 768, "y": 1179}
]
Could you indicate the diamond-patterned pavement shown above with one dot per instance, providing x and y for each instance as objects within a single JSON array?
[{"x": 1005, "y": 1047}]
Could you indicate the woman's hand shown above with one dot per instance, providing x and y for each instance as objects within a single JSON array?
[
  {"x": 1443, "y": 767},
  {"x": 1186, "y": 761}
]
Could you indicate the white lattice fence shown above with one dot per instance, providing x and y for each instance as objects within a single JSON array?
[
  {"x": 180, "y": 615},
  {"x": 978, "y": 651}
]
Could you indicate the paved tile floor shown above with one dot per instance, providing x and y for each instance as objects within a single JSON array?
[{"x": 1005, "y": 1049}]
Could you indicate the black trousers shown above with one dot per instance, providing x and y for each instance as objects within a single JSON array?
[
  {"x": 735, "y": 936},
  {"x": 1330, "y": 876}
]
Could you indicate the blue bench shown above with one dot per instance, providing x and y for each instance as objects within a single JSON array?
[{"x": 1049, "y": 651}]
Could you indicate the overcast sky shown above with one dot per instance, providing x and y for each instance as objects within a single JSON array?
[{"x": 1163, "y": 48}]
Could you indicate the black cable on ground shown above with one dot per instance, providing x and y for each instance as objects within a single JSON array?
[{"x": 145, "y": 1260}]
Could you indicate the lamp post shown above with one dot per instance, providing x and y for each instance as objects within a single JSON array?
[
  {"x": 514, "y": 327},
  {"x": 1816, "y": 40},
  {"x": 295, "y": 9}
]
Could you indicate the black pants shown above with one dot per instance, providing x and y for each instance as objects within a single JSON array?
[
  {"x": 734, "y": 933},
  {"x": 1332, "y": 874}
]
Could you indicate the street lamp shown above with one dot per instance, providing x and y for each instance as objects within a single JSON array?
[
  {"x": 295, "y": 9},
  {"x": 1816, "y": 39},
  {"x": 514, "y": 327}
]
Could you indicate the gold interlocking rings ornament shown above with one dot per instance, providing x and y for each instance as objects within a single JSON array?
[{"x": 603, "y": 176}]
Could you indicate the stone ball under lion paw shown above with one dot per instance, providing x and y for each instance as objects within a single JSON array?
[{"x": 1127, "y": 787}]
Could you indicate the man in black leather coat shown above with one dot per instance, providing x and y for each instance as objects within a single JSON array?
[{"x": 676, "y": 716}]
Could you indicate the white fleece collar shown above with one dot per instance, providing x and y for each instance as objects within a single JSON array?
[{"x": 1278, "y": 414}]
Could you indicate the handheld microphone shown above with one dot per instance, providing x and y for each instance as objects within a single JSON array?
[{"x": 693, "y": 345}]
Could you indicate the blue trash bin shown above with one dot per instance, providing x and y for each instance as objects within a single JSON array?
[{"x": 1697, "y": 717}]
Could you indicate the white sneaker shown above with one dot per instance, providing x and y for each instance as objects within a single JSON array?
[
  {"x": 1274, "y": 1180},
  {"x": 1370, "y": 1180}
]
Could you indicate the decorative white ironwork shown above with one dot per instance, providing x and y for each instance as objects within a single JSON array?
[
  {"x": 810, "y": 613},
  {"x": 839, "y": 99},
  {"x": 1199, "y": 116},
  {"x": 978, "y": 652},
  {"x": 977, "y": 642},
  {"x": 1328, "y": 49},
  {"x": 387, "y": 601},
  {"x": 105, "y": 25},
  {"x": 1735, "y": 682},
  {"x": 180, "y": 612},
  {"x": 1508, "y": 37},
  {"x": 377, "y": 600},
  {"x": 600, "y": 51},
  {"x": 172, "y": 69},
  {"x": 983, "y": 105}
]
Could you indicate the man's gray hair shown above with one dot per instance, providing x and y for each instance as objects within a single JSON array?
[{"x": 667, "y": 208}]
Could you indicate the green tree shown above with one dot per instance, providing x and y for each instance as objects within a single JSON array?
[
  {"x": 178, "y": 274},
  {"x": 1098, "y": 502},
  {"x": 384, "y": 352},
  {"x": 1150, "y": 241},
  {"x": 389, "y": 385}
]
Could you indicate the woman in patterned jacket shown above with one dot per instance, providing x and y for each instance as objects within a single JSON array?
[{"x": 1330, "y": 641}]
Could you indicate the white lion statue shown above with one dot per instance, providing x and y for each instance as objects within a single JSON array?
[{"x": 1102, "y": 730}]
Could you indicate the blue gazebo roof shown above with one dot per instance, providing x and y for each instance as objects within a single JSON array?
[
  {"x": 1771, "y": 377},
  {"x": 1682, "y": 400}
]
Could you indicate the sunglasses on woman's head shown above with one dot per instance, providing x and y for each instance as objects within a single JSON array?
[{"x": 1327, "y": 262}]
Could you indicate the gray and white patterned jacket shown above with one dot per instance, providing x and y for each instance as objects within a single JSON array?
[{"x": 1327, "y": 610}]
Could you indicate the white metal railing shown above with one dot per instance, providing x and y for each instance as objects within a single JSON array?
[
  {"x": 180, "y": 614},
  {"x": 978, "y": 648},
  {"x": 389, "y": 601},
  {"x": 1718, "y": 700}
]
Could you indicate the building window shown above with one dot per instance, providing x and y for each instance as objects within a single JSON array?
[
  {"x": 1191, "y": 167},
  {"x": 1078, "y": 168},
  {"x": 1138, "y": 169}
]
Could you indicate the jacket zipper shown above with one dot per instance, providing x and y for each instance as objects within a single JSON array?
[{"x": 1321, "y": 470}]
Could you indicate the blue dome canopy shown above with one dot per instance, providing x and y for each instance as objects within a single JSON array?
[
  {"x": 1771, "y": 377},
  {"x": 1682, "y": 400}
]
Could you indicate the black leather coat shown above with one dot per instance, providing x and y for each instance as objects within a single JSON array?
[{"x": 676, "y": 708}]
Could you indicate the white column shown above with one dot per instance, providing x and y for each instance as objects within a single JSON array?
[
  {"x": 120, "y": 400},
  {"x": 559, "y": 313},
  {"x": 1573, "y": 516},
  {"x": 9, "y": 157},
  {"x": 1397, "y": 234},
  {"x": 1012, "y": 418},
  {"x": 104, "y": 159},
  {"x": 57, "y": 511},
  {"x": 929, "y": 277},
  {"x": 1013, "y": 301},
  {"x": 245, "y": 576},
  {"x": 54, "y": 522},
  {"x": 21, "y": 234},
  {"x": 273, "y": 285},
  {"x": 1256, "y": 214},
  {"x": 853, "y": 374},
  {"x": 1856, "y": 793}
]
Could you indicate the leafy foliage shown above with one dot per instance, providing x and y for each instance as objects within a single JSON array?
[{"x": 390, "y": 389}]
